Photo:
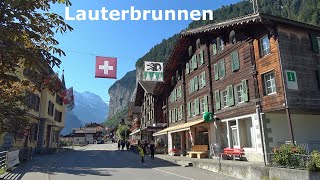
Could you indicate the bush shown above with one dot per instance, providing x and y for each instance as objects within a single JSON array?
[
  {"x": 288, "y": 155},
  {"x": 314, "y": 161}
]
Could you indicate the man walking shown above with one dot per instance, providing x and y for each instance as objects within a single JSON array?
[{"x": 152, "y": 149}]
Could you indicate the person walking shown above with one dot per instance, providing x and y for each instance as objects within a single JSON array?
[
  {"x": 152, "y": 149},
  {"x": 128, "y": 145},
  {"x": 141, "y": 152},
  {"x": 123, "y": 143},
  {"x": 119, "y": 144}
]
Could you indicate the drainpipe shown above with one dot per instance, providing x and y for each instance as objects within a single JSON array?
[
  {"x": 258, "y": 103},
  {"x": 284, "y": 91},
  {"x": 216, "y": 124}
]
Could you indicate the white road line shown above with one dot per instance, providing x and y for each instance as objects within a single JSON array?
[{"x": 172, "y": 174}]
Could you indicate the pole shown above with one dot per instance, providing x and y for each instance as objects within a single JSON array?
[{"x": 258, "y": 111}]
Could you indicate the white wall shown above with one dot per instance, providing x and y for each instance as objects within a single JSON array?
[{"x": 305, "y": 128}]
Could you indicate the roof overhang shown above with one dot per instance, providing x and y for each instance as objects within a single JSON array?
[{"x": 178, "y": 128}]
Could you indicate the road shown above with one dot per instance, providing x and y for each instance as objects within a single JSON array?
[{"x": 103, "y": 161}]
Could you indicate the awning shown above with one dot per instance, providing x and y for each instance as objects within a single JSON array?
[
  {"x": 178, "y": 128},
  {"x": 134, "y": 132}
]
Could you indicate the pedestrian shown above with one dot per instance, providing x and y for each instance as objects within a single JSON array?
[
  {"x": 141, "y": 152},
  {"x": 128, "y": 145},
  {"x": 122, "y": 145},
  {"x": 152, "y": 149},
  {"x": 145, "y": 147},
  {"x": 119, "y": 144}
]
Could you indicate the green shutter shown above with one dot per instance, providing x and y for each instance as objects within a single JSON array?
[
  {"x": 187, "y": 68},
  {"x": 191, "y": 64},
  {"x": 197, "y": 111},
  {"x": 179, "y": 92},
  {"x": 195, "y": 62},
  {"x": 216, "y": 71},
  {"x": 170, "y": 120},
  {"x": 314, "y": 42},
  {"x": 203, "y": 79},
  {"x": 196, "y": 83},
  {"x": 201, "y": 57},
  {"x": 217, "y": 99},
  {"x": 235, "y": 64},
  {"x": 214, "y": 49},
  {"x": 190, "y": 86},
  {"x": 245, "y": 93},
  {"x": 172, "y": 97},
  {"x": 230, "y": 96},
  {"x": 189, "y": 109},
  {"x": 206, "y": 103},
  {"x": 222, "y": 68}
]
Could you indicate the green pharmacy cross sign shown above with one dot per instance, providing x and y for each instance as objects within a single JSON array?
[{"x": 208, "y": 117}]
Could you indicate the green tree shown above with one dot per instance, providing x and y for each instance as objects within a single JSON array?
[
  {"x": 123, "y": 132},
  {"x": 27, "y": 38}
]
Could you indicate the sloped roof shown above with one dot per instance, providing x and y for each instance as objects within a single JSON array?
[
  {"x": 248, "y": 19},
  {"x": 142, "y": 87},
  {"x": 148, "y": 86}
]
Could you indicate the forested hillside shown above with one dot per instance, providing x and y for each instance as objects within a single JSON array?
[{"x": 307, "y": 11}]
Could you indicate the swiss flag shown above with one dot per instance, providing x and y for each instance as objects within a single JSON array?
[
  {"x": 106, "y": 67},
  {"x": 67, "y": 95}
]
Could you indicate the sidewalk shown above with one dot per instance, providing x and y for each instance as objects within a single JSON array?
[{"x": 242, "y": 169}]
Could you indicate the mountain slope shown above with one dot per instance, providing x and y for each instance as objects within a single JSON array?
[
  {"x": 307, "y": 11},
  {"x": 89, "y": 107},
  {"x": 72, "y": 121}
]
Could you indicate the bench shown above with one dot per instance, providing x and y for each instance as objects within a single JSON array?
[
  {"x": 233, "y": 152},
  {"x": 200, "y": 151}
]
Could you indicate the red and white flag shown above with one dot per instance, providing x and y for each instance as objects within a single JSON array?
[
  {"x": 67, "y": 95},
  {"x": 106, "y": 67}
]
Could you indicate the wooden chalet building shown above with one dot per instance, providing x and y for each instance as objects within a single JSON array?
[
  {"x": 134, "y": 116},
  {"x": 256, "y": 73},
  {"x": 151, "y": 112}
]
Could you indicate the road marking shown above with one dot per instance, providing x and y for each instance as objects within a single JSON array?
[{"x": 184, "y": 177}]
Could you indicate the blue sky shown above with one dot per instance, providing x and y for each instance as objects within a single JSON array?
[{"x": 127, "y": 40}]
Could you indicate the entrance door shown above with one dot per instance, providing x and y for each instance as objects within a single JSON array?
[{"x": 234, "y": 134}]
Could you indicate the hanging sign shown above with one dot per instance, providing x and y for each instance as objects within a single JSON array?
[
  {"x": 153, "y": 71},
  {"x": 291, "y": 79},
  {"x": 208, "y": 117}
]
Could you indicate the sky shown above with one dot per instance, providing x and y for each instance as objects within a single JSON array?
[{"x": 127, "y": 40}]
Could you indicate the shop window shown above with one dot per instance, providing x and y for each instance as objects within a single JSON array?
[{"x": 265, "y": 46}]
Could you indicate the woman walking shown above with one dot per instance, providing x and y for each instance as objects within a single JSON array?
[{"x": 141, "y": 152}]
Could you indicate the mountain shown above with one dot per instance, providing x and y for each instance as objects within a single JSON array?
[
  {"x": 307, "y": 11},
  {"x": 72, "y": 121},
  {"x": 88, "y": 108}
]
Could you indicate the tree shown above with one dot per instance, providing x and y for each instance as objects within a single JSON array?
[
  {"x": 123, "y": 132},
  {"x": 27, "y": 30}
]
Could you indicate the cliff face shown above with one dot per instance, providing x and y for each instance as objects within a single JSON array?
[{"x": 121, "y": 93}]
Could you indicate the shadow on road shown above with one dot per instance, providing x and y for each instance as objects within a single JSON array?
[{"x": 83, "y": 163}]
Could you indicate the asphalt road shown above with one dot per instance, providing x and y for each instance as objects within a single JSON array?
[{"x": 103, "y": 161}]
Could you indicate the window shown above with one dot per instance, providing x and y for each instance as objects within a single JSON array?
[
  {"x": 198, "y": 43},
  {"x": 202, "y": 79},
  {"x": 50, "y": 108},
  {"x": 232, "y": 37},
  {"x": 269, "y": 83},
  {"x": 265, "y": 46},
  {"x": 315, "y": 42},
  {"x": 238, "y": 92},
  {"x": 193, "y": 107},
  {"x": 214, "y": 47},
  {"x": 224, "y": 98},
  {"x": 202, "y": 105},
  {"x": 222, "y": 69},
  {"x": 220, "y": 44}
]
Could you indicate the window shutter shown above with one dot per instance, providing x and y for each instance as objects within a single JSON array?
[
  {"x": 230, "y": 96},
  {"x": 217, "y": 100},
  {"x": 170, "y": 118},
  {"x": 206, "y": 103},
  {"x": 189, "y": 109},
  {"x": 181, "y": 109},
  {"x": 203, "y": 79},
  {"x": 196, "y": 83},
  {"x": 197, "y": 106},
  {"x": 175, "y": 94},
  {"x": 218, "y": 44},
  {"x": 314, "y": 42},
  {"x": 235, "y": 64},
  {"x": 195, "y": 63},
  {"x": 216, "y": 71},
  {"x": 191, "y": 65},
  {"x": 214, "y": 49},
  {"x": 176, "y": 109},
  {"x": 201, "y": 57},
  {"x": 187, "y": 68},
  {"x": 222, "y": 69},
  {"x": 179, "y": 92},
  {"x": 245, "y": 93}
]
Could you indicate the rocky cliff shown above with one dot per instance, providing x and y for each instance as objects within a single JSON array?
[{"x": 121, "y": 93}]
